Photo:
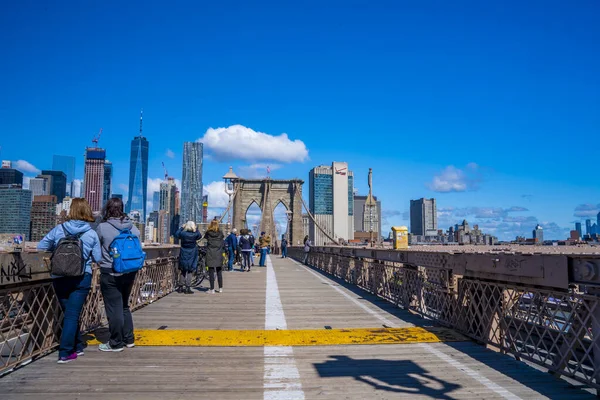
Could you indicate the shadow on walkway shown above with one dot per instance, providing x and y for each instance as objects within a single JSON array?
[
  {"x": 396, "y": 376},
  {"x": 522, "y": 372}
]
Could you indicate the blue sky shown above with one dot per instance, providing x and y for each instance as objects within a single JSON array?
[{"x": 482, "y": 106}]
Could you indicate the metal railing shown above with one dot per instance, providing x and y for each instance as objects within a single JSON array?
[
  {"x": 31, "y": 317},
  {"x": 536, "y": 307}
]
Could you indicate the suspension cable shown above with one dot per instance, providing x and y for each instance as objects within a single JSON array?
[{"x": 315, "y": 222}]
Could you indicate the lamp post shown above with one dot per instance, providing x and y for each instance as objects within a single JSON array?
[{"x": 229, "y": 179}]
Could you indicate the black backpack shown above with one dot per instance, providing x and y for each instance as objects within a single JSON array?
[{"x": 67, "y": 259}]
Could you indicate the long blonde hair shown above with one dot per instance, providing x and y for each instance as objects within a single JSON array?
[{"x": 214, "y": 225}]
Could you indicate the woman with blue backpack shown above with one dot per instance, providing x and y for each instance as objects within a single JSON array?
[
  {"x": 188, "y": 255},
  {"x": 74, "y": 245},
  {"x": 122, "y": 257}
]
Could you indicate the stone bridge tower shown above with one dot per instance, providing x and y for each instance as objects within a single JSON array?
[{"x": 267, "y": 194}]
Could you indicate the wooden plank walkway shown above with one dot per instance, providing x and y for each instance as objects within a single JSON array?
[{"x": 309, "y": 300}]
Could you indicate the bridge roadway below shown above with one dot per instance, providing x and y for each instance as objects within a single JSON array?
[{"x": 173, "y": 365}]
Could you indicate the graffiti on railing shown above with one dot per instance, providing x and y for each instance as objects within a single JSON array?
[{"x": 14, "y": 272}]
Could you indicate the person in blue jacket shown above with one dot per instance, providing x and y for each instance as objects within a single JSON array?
[
  {"x": 72, "y": 291},
  {"x": 188, "y": 255},
  {"x": 232, "y": 245}
]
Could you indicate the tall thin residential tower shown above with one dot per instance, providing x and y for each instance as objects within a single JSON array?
[
  {"x": 138, "y": 174},
  {"x": 191, "y": 182}
]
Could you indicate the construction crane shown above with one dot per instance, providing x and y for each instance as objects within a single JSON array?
[
  {"x": 97, "y": 138},
  {"x": 166, "y": 173}
]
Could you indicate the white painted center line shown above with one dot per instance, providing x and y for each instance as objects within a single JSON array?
[
  {"x": 431, "y": 349},
  {"x": 281, "y": 379}
]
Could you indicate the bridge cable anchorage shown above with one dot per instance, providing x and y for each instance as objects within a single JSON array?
[{"x": 327, "y": 234}]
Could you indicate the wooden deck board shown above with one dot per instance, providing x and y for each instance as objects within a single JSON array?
[{"x": 326, "y": 372}]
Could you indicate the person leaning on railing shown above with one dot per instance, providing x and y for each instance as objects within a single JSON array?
[
  {"x": 72, "y": 291},
  {"x": 307, "y": 246},
  {"x": 188, "y": 255},
  {"x": 116, "y": 287}
]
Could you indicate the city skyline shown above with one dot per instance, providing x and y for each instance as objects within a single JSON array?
[{"x": 458, "y": 119}]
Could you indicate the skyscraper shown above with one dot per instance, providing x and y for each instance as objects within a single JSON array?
[
  {"x": 191, "y": 183},
  {"x": 93, "y": 180},
  {"x": 156, "y": 202},
  {"x": 331, "y": 202},
  {"x": 65, "y": 164},
  {"x": 43, "y": 216},
  {"x": 10, "y": 176},
  {"x": 167, "y": 212},
  {"x": 588, "y": 226},
  {"x": 15, "y": 217},
  {"x": 362, "y": 219},
  {"x": 423, "y": 217},
  {"x": 56, "y": 183},
  {"x": 538, "y": 235},
  {"x": 578, "y": 229},
  {"x": 38, "y": 186},
  {"x": 138, "y": 174},
  {"x": 107, "y": 183}
]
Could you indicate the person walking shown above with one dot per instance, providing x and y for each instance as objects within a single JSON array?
[
  {"x": 284, "y": 245},
  {"x": 72, "y": 291},
  {"x": 264, "y": 242},
  {"x": 116, "y": 287},
  {"x": 246, "y": 249},
  {"x": 252, "y": 244},
  {"x": 214, "y": 255},
  {"x": 232, "y": 244},
  {"x": 307, "y": 246},
  {"x": 188, "y": 255}
]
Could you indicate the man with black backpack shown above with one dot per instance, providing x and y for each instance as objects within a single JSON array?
[
  {"x": 122, "y": 257},
  {"x": 74, "y": 246}
]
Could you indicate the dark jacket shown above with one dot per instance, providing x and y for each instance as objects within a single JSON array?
[
  {"x": 214, "y": 249},
  {"x": 284, "y": 243},
  {"x": 251, "y": 240},
  {"x": 245, "y": 243},
  {"x": 232, "y": 241},
  {"x": 188, "y": 254},
  {"x": 107, "y": 232}
]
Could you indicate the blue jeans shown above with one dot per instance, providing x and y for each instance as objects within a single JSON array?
[
  {"x": 284, "y": 252},
  {"x": 71, "y": 293},
  {"x": 231, "y": 258},
  {"x": 263, "y": 256}
]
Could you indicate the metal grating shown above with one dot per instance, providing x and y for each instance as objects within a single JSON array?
[
  {"x": 31, "y": 318},
  {"x": 557, "y": 329}
]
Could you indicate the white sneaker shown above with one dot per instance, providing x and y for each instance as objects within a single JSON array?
[
  {"x": 211, "y": 291},
  {"x": 220, "y": 290}
]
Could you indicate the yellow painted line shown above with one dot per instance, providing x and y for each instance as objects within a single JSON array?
[{"x": 305, "y": 337}]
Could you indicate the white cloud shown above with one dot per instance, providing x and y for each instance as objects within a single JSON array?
[
  {"x": 453, "y": 179},
  {"x": 242, "y": 143},
  {"x": 216, "y": 194},
  {"x": 170, "y": 153},
  {"x": 257, "y": 171},
  {"x": 26, "y": 180},
  {"x": 123, "y": 187},
  {"x": 26, "y": 167}
]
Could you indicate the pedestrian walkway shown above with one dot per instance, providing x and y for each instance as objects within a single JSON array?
[{"x": 286, "y": 332}]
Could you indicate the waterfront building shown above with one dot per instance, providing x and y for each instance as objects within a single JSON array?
[{"x": 423, "y": 217}]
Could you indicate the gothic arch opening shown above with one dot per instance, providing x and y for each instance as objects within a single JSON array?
[{"x": 252, "y": 218}]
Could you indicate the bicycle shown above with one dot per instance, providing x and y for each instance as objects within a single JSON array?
[{"x": 201, "y": 272}]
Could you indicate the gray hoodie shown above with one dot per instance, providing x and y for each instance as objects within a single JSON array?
[{"x": 107, "y": 233}]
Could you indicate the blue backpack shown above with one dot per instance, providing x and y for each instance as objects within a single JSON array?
[{"x": 126, "y": 252}]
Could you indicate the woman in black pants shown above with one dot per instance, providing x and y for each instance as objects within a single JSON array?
[
  {"x": 214, "y": 254},
  {"x": 116, "y": 287},
  {"x": 188, "y": 255}
]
